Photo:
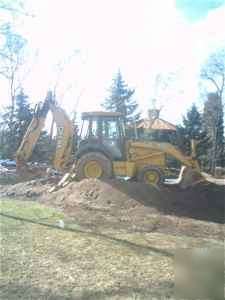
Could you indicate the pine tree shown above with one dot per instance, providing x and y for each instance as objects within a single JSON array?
[
  {"x": 192, "y": 129},
  {"x": 44, "y": 149},
  {"x": 7, "y": 143},
  {"x": 13, "y": 130},
  {"x": 214, "y": 125},
  {"x": 121, "y": 100},
  {"x": 15, "y": 126},
  {"x": 23, "y": 114}
]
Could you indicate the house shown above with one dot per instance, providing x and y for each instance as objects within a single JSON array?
[{"x": 155, "y": 128}]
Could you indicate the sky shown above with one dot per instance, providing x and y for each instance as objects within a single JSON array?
[{"x": 79, "y": 45}]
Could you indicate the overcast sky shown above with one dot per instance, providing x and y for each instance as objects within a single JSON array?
[{"x": 95, "y": 38}]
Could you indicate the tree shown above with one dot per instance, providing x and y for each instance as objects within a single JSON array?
[
  {"x": 13, "y": 45},
  {"x": 11, "y": 59},
  {"x": 12, "y": 131},
  {"x": 166, "y": 87},
  {"x": 44, "y": 149},
  {"x": 214, "y": 71},
  {"x": 192, "y": 129},
  {"x": 14, "y": 7},
  {"x": 214, "y": 125},
  {"x": 23, "y": 114},
  {"x": 121, "y": 100},
  {"x": 62, "y": 87},
  {"x": 7, "y": 144},
  {"x": 13, "y": 128}
]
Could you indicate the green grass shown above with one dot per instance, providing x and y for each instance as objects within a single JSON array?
[
  {"x": 30, "y": 210},
  {"x": 40, "y": 262}
]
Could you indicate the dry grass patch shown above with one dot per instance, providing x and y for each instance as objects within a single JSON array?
[{"x": 38, "y": 262}]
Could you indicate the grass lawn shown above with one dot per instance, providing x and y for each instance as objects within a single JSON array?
[{"x": 41, "y": 262}]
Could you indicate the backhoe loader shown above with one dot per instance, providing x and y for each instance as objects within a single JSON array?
[{"x": 104, "y": 151}]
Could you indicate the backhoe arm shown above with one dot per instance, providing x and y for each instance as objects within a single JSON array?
[
  {"x": 32, "y": 135},
  {"x": 64, "y": 135}
]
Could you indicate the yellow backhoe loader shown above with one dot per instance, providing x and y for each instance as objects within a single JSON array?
[{"x": 104, "y": 151}]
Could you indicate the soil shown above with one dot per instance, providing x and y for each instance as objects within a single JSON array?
[{"x": 131, "y": 206}]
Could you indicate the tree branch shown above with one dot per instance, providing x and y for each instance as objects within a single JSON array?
[
  {"x": 15, "y": 10},
  {"x": 214, "y": 82}
]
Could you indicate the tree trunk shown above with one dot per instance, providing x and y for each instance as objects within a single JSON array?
[
  {"x": 51, "y": 130},
  {"x": 12, "y": 96}
]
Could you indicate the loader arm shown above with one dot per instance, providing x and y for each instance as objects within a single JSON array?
[
  {"x": 168, "y": 149},
  {"x": 187, "y": 161},
  {"x": 64, "y": 135}
]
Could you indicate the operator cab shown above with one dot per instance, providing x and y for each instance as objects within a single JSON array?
[{"x": 103, "y": 131}]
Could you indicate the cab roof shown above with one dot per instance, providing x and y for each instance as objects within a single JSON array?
[{"x": 86, "y": 115}]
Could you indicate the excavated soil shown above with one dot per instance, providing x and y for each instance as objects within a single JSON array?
[
  {"x": 131, "y": 206},
  {"x": 136, "y": 207}
]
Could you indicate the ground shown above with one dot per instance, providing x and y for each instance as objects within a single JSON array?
[{"x": 101, "y": 240}]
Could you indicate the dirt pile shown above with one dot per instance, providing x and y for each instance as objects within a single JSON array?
[
  {"x": 132, "y": 206},
  {"x": 104, "y": 195},
  {"x": 201, "y": 202}
]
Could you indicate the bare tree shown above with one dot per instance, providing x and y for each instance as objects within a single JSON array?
[
  {"x": 214, "y": 71},
  {"x": 62, "y": 87},
  {"x": 12, "y": 45},
  {"x": 165, "y": 89},
  {"x": 14, "y": 7},
  {"x": 11, "y": 59}
]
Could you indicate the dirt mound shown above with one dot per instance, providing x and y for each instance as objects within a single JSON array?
[
  {"x": 132, "y": 206},
  {"x": 201, "y": 202},
  {"x": 103, "y": 195}
]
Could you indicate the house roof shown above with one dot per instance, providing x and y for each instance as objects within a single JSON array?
[{"x": 156, "y": 124}]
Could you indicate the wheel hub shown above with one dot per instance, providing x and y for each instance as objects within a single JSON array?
[
  {"x": 151, "y": 177},
  {"x": 93, "y": 169}
]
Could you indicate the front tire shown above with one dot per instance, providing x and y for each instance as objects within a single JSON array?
[{"x": 94, "y": 165}]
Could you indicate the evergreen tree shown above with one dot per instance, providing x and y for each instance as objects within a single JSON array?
[
  {"x": 192, "y": 129},
  {"x": 7, "y": 142},
  {"x": 44, "y": 149},
  {"x": 13, "y": 129},
  {"x": 214, "y": 125},
  {"x": 121, "y": 100},
  {"x": 23, "y": 115}
]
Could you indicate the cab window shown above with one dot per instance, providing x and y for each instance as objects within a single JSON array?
[
  {"x": 89, "y": 129},
  {"x": 110, "y": 129}
]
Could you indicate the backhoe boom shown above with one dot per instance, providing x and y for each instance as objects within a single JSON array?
[{"x": 64, "y": 135}]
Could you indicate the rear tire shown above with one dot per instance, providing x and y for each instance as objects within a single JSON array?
[
  {"x": 151, "y": 175},
  {"x": 93, "y": 165}
]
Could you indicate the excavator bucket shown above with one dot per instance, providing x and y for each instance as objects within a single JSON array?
[{"x": 188, "y": 177}]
